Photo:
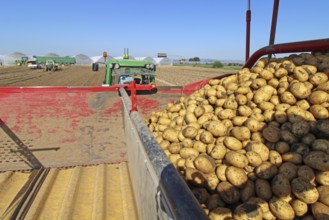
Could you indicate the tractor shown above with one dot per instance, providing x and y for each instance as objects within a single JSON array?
[{"x": 120, "y": 73}]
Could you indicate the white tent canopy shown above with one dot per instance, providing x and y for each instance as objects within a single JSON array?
[
  {"x": 82, "y": 59},
  {"x": 96, "y": 59},
  {"x": 9, "y": 59},
  {"x": 150, "y": 59},
  {"x": 163, "y": 61}
]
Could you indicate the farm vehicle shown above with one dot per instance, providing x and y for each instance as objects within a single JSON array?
[
  {"x": 86, "y": 153},
  {"x": 54, "y": 63},
  {"x": 120, "y": 73},
  {"x": 22, "y": 61}
]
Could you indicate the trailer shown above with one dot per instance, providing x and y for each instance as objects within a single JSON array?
[
  {"x": 86, "y": 153},
  {"x": 59, "y": 60}
]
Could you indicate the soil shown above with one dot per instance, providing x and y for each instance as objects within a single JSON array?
[{"x": 85, "y": 128}]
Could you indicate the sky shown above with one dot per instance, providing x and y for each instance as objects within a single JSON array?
[{"x": 209, "y": 29}]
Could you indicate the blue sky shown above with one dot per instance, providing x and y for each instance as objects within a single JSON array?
[{"x": 207, "y": 29}]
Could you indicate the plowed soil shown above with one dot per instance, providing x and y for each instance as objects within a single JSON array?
[{"x": 84, "y": 76}]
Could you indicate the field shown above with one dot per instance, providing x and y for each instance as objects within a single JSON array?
[{"x": 84, "y": 76}]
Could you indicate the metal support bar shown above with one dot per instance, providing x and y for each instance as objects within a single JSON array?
[
  {"x": 248, "y": 20},
  {"x": 274, "y": 22}
]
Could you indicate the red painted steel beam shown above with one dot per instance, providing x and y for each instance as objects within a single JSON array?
[
  {"x": 294, "y": 47},
  {"x": 248, "y": 20},
  {"x": 274, "y": 21}
]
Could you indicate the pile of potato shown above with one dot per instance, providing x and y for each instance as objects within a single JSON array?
[{"x": 255, "y": 145}]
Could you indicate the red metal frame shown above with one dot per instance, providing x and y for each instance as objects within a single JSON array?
[
  {"x": 302, "y": 46},
  {"x": 114, "y": 88},
  {"x": 132, "y": 88}
]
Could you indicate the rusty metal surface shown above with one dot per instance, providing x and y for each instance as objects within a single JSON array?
[
  {"x": 88, "y": 192},
  {"x": 56, "y": 128}
]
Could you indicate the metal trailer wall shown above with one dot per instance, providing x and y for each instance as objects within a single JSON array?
[{"x": 160, "y": 193}]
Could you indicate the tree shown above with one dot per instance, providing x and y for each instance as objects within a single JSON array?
[
  {"x": 194, "y": 59},
  {"x": 217, "y": 64}
]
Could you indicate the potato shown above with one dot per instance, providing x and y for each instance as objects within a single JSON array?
[
  {"x": 300, "y": 128},
  {"x": 318, "y": 97},
  {"x": 302, "y": 188},
  {"x": 241, "y": 133},
  {"x": 321, "y": 145},
  {"x": 318, "y": 78},
  {"x": 307, "y": 172},
  {"x": 263, "y": 94},
  {"x": 220, "y": 172},
  {"x": 323, "y": 194},
  {"x": 244, "y": 110},
  {"x": 217, "y": 128},
  {"x": 275, "y": 158},
  {"x": 288, "y": 98},
  {"x": 253, "y": 158},
  {"x": 214, "y": 201},
  {"x": 241, "y": 99},
  {"x": 317, "y": 160},
  {"x": 187, "y": 143},
  {"x": 282, "y": 147},
  {"x": 322, "y": 177},
  {"x": 170, "y": 134},
  {"x": 236, "y": 176},
  {"x": 220, "y": 213},
  {"x": 229, "y": 193},
  {"x": 226, "y": 114},
  {"x": 289, "y": 170},
  {"x": 299, "y": 90},
  {"x": 271, "y": 134},
  {"x": 288, "y": 137},
  {"x": 282, "y": 107},
  {"x": 239, "y": 120},
  {"x": 217, "y": 151},
  {"x": 232, "y": 143},
  {"x": 280, "y": 72},
  {"x": 207, "y": 137},
  {"x": 319, "y": 112},
  {"x": 248, "y": 211},
  {"x": 252, "y": 124},
  {"x": 211, "y": 181},
  {"x": 174, "y": 148},
  {"x": 280, "y": 186},
  {"x": 263, "y": 189},
  {"x": 200, "y": 194},
  {"x": 200, "y": 146},
  {"x": 320, "y": 211},
  {"x": 205, "y": 163},
  {"x": 292, "y": 157},
  {"x": 230, "y": 103},
  {"x": 301, "y": 74},
  {"x": 195, "y": 176},
  {"x": 299, "y": 207},
  {"x": 281, "y": 209},
  {"x": 236, "y": 159},
  {"x": 248, "y": 191},
  {"x": 188, "y": 152},
  {"x": 322, "y": 126},
  {"x": 266, "y": 170},
  {"x": 259, "y": 148}
]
